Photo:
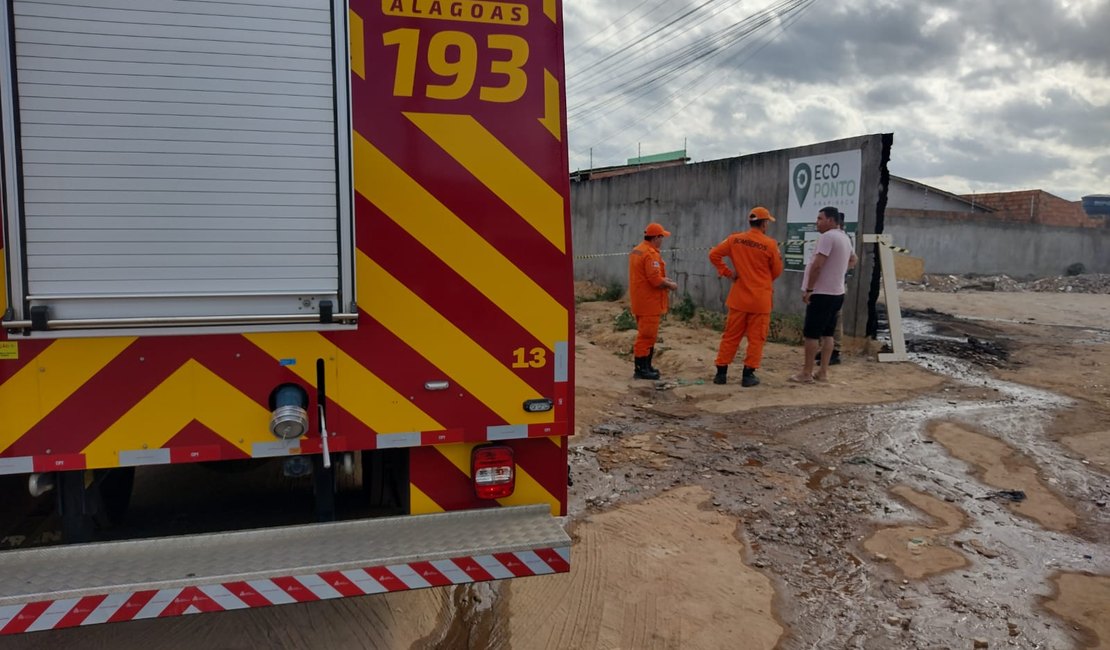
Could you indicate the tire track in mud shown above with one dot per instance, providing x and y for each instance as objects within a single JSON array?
[{"x": 665, "y": 573}]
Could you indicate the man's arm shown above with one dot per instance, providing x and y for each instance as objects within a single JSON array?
[
  {"x": 852, "y": 261},
  {"x": 654, "y": 272},
  {"x": 815, "y": 267},
  {"x": 716, "y": 258},
  {"x": 776, "y": 263}
]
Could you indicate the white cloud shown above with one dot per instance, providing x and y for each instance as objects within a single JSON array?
[{"x": 985, "y": 96}]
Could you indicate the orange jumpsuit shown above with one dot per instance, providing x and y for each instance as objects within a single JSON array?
[
  {"x": 757, "y": 262},
  {"x": 649, "y": 297}
]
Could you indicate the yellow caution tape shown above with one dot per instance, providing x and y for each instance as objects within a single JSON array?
[{"x": 590, "y": 256}]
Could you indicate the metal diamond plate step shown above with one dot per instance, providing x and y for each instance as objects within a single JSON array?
[{"x": 163, "y": 563}]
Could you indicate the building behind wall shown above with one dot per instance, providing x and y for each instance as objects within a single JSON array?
[{"x": 1021, "y": 233}]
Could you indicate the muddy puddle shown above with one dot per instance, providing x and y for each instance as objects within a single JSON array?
[
  {"x": 920, "y": 551},
  {"x": 1016, "y": 477},
  {"x": 1082, "y": 599}
]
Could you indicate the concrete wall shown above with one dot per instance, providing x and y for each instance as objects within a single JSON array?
[
  {"x": 703, "y": 203},
  {"x": 990, "y": 247}
]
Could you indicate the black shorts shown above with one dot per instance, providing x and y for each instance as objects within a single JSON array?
[{"x": 821, "y": 314}]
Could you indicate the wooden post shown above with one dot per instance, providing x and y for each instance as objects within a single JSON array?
[{"x": 890, "y": 290}]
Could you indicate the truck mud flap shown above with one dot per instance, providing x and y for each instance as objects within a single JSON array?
[{"x": 67, "y": 586}]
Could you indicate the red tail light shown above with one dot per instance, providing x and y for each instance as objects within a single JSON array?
[{"x": 493, "y": 471}]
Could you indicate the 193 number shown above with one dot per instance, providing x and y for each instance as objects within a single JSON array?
[{"x": 453, "y": 55}]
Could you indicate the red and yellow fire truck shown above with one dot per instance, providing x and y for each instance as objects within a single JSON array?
[{"x": 329, "y": 238}]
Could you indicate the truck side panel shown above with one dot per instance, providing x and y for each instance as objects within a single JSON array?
[{"x": 463, "y": 275}]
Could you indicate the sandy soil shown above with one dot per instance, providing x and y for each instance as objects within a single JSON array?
[
  {"x": 645, "y": 585},
  {"x": 854, "y": 515}
]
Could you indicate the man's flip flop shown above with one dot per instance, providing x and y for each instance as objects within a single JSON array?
[{"x": 798, "y": 380}]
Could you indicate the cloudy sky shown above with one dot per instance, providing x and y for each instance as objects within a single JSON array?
[{"x": 981, "y": 95}]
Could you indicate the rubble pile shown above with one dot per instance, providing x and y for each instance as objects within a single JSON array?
[{"x": 1086, "y": 283}]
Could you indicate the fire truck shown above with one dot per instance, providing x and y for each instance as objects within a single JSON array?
[{"x": 327, "y": 240}]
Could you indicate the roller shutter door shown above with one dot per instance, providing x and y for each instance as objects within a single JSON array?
[{"x": 181, "y": 158}]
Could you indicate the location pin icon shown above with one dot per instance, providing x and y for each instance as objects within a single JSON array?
[{"x": 803, "y": 175}]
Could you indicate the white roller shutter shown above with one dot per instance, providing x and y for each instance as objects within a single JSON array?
[{"x": 180, "y": 159}]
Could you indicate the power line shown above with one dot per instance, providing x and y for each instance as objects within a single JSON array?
[
  {"x": 656, "y": 73},
  {"x": 743, "y": 55}
]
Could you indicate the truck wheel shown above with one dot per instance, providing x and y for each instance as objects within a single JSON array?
[
  {"x": 385, "y": 480},
  {"x": 74, "y": 507},
  {"x": 115, "y": 493}
]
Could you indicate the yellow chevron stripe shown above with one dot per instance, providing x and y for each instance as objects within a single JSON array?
[
  {"x": 58, "y": 371},
  {"x": 359, "y": 391},
  {"x": 438, "y": 340},
  {"x": 499, "y": 169},
  {"x": 192, "y": 392},
  {"x": 459, "y": 454},
  {"x": 549, "y": 10},
  {"x": 402, "y": 199},
  {"x": 551, "y": 117},
  {"x": 528, "y": 490},
  {"x": 358, "y": 49},
  {"x": 420, "y": 503}
]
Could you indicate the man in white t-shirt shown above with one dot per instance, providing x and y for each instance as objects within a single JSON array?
[{"x": 823, "y": 292}]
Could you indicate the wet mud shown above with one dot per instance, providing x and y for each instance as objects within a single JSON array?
[
  {"x": 1082, "y": 600},
  {"x": 919, "y": 551},
  {"x": 1016, "y": 477}
]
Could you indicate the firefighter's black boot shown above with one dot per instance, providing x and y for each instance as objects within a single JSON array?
[
  {"x": 721, "y": 376},
  {"x": 650, "y": 356},
  {"x": 749, "y": 379},
  {"x": 643, "y": 371}
]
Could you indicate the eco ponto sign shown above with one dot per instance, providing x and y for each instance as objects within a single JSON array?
[{"x": 815, "y": 182}]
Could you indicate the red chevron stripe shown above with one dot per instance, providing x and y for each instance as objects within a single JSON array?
[
  {"x": 80, "y": 611},
  {"x": 105, "y": 397},
  {"x": 28, "y": 350},
  {"x": 248, "y": 594},
  {"x": 197, "y": 443},
  {"x": 444, "y": 484},
  {"x": 295, "y": 589},
  {"x": 553, "y": 559},
  {"x": 254, "y": 372},
  {"x": 404, "y": 369},
  {"x": 450, "y": 294},
  {"x": 472, "y": 569},
  {"x": 26, "y": 616},
  {"x": 191, "y": 597},
  {"x": 430, "y": 573},
  {"x": 468, "y": 199},
  {"x": 340, "y": 583},
  {"x": 546, "y": 463},
  {"x": 386, "y": 578},
  {"x": 513, "y": 564},
  {"x": 133, "y": 606}
]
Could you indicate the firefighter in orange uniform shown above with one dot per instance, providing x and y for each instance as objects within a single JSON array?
[
  {"x": 755, "y": 265},
  {"x": 648, "y": 290}
]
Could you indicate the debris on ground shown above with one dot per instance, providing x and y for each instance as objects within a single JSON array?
[
  {"x": 1086, "y": 283},
  {"x": 981, "y": 352},
  {"x": 1017, "y": 496}
]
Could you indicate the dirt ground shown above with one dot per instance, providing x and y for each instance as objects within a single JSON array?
[{"x": 955, "y": 501}]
